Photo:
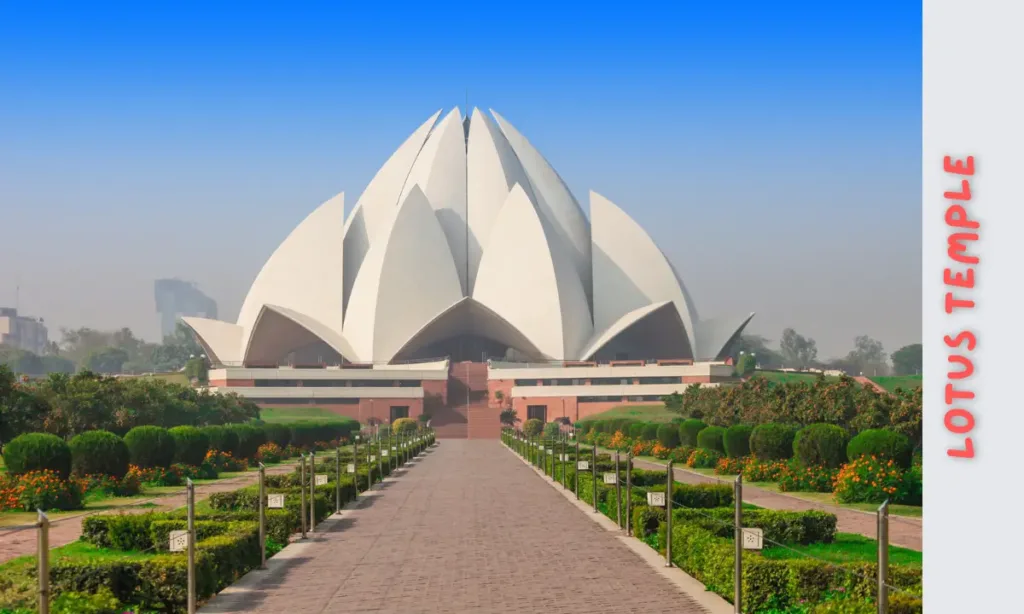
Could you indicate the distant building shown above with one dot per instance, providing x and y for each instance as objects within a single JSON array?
[
  {"x": 176, "y": 299},
  {"x": 23, "y": 332}
]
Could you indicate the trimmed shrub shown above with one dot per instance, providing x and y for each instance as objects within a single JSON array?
[
  {"x": 552, "y": 430},
  {"x": 250, "y": 439},
  {"x": 40, "y": 490},
  {"x": 702, "y": 458},
  {"x": 404, "y": 426},
  {"x": 190, "y": 445},
  {"x": 636, "y": 430},
  {"x": 796, "y": 477},
  {"x": 792, "y": 528},
  {"x": 150, "y": 446},
  {"x": 38, "y": 452},
  {"x": 533, "y": 427},
  {"x": 712, "y": 438},
  {"x": 668, "y": 435},
  {"x": 881, "y": 443},
  {"x": 821, "y": 445},
  {"x": 737, "y": 440},
  {"x": 688, "y": 431},
  {"x": 99, "y": 453},
  {"x": 269, "y": 453},
  {"x": 223, "y": 439},
  {"x": 275, "y": 433},
  {"x": 650, "y": 432},
  {"x": 772, "y": 441}
]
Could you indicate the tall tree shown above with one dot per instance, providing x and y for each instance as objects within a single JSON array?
[
  {"x": 869, "y": 356},
  {"x": 798, "y": 351},
  {"x": 767, "y": 358},
  {"x": 907, "y": 360}
]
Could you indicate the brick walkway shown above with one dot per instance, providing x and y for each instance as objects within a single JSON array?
[
  {"x": 468, "y": 528},
  {"x": 19, "y": 542},
  {"x": 905, "y": 532}
]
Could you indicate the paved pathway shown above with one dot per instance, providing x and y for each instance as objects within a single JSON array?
[
  {"x": 15, "y": 542},
  {"x": 467, "y": 528},
  {"x": 903, "y": 531}
]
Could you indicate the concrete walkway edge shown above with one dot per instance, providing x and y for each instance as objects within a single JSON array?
[{"x": 712, "y": 602}]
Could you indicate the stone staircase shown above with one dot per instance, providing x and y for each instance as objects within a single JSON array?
[{"x": 467, "y": 414}]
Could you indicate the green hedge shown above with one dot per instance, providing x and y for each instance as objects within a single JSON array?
[
  {"x": 688, "y": 431},
  {"x": 737, "y": 440},
  {"x": 881, "y": 443},
  {"x": 190, "y": 445},
  {"x": 222, "y": 438},
  {"x": 99, "y": 453},
  {"x": 821, "y": 444},
  {"x": 712, "y": 438},
  {"x": 150, "y": 446},
  {"x": 38, "y": 452},
  {"x": 772, "y": 441},
  {"x": 668, "y": 435},
  {"x": 802, "y": 528}
]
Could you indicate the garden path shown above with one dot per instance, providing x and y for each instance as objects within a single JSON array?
[
  {"x": 468, "y": 527},
  {"x": 15, "y": 541},
  {"x": 903, "y": 531}
]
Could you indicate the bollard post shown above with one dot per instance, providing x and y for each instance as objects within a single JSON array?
[
  {"x": 337, "y": 480},
  {"x": 593, "y": 473},
  {"x": 43, "y": 555},
  {"x": 355, "y": 462},
  {"x": 883, "y": 558},
  {"x": 302, "y": 492},
  {"x": 263, "y": 517},
  {"x": 564, "y": 461},
  {"x": 618, "y": 492},
  {"x": 629, "y": 493},
  {"x": 668, "y": 513},
  {"x": 737, "y": 591},
  {"x": 191, "y": 490},
  {"x": 380, "y": 460},
  {"x": 312, "y": 491},
  {"x": 576, "y": 473}
]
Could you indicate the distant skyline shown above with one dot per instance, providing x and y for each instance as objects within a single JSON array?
[{"x": 772, "y": 151}]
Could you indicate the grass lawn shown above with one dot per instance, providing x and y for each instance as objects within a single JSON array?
[
  {"x": 646, "y": 413},
  {"x": 892, "y": 382},
  {"x": 296, "y": 414},
  {"x": 848, "y": 548},
  {"x": 792, "y": 378}
]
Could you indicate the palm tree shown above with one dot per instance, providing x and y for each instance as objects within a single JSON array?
[{"x": 509, "y": 417}]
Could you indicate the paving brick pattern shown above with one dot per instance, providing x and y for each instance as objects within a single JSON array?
[
  {"x": 467, "y": 529},
  {"x": 19, "y": 542}
]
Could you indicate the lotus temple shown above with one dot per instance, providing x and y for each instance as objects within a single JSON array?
[{"x": 465, "y": 280}]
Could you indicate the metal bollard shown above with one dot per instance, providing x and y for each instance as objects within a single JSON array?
[
  {"x": 618, "y": 492},
  {"x": 576, "y": 473},
  {"x": 737, "y": 594},
  {"x": 191, "y": 490},
  {"x": 668, "y": 514},
  {"x": 593, "y": 473},
  {"x": 263, "y": 517},
  {"x": 312, "y": 491},
  {"x": 629, "y": 493},
  {"x": 883, "y": 558},
  {"x": 564, "y": 461},
  {"x": 337, "y": 480},
  {"x": 380, "y": 461},
  {"x": 302, "y": 493},
  {"x": 355, "y": 462},
  {"x": 43, "y": 569}
]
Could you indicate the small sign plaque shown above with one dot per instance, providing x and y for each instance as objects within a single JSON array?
[
  {"x": 563, "y": 457},
  {"x": 351, "y": 468},
  {"x": 394, "y": 448},
  {"x": 373, "y": 457},
  {"x": 582, "y": 465},
  {"x": 656, "y": 499},
  {"x": 541, "y": 446},
  {"x": 610, "y": 478},
  {"x": 179, "y": 541},
  {"x": 753, "y": 539},
  {"x": 383, "y": 453},
  {"x": 551, "y": 452},
  {"x": 275, "y": 502},
  {"x": 320, "y": 479}
]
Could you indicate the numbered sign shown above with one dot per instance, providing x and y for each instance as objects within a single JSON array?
[
  {"x": 753, "y": 539},
  {"x": 394, "y": 448},
  {"x": 582, "y": 465},
  {"x": 610, "y": 478},
  {"x": 656, "y": 499},
  {"x": 320, "y": 479},
  {"x": 383, "y": 453},
  {"x": 179, "y": 541},
  {"x": 275, "y": 502},
  {"x": 541, "y": 446},
  {"x": 373, "y": 458},
  {"x": 351, "y": 468},
  {"x": 563, "y": 457},
  {"x": 551, "y": 452}
]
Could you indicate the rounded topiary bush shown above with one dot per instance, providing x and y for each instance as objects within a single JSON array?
[
  {"x": 688, "y": 431},
  {"x": 223, "y": 439},
  {"x": 190, "y": 445},
  {"x": 404, "y": 426},
  {"x": 636, "y": 430},
  {"x": 250, "y": 439},
  {"x": 277, "y": 434},
  {"x": 712, "y": 438},
  {"x": 650, "y": 432},
  {"x": 883, "y": 444},
  {"x": 150, "y": 446},
  {"x": 821, "y": 445},
  {"x": 772, "y": 441},
  {"x": 552, "y": 430},
  {"x": 533, "y": 427},
  {"x": 737, "y": 440},
  {"x": 99, "y": 453},
  {"x": 668, "y": 435},
  {"x": 38, "y": 452}
]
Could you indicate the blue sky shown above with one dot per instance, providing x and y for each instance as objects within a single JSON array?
[{"x": 771, "y": 149}]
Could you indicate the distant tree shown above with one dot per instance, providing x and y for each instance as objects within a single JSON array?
[
  {"x": 509, "y": 417},
  {"x": 746, "y": 364},
  {"x": 21, "y": 361},
  {"x": 106, "y": 360},
  {"x": 673, "y": 402},
  {"x": 907, "y": 360},
  {"x": 767, "y": 358},
  {"x": 798, "y": 351},
  {"x": 869, "y": 356}
]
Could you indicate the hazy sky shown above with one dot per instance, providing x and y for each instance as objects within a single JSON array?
[{"x": 771, "y": 149}]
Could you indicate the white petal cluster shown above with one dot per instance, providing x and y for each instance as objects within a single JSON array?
[{"x": 466, "y": 231}]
